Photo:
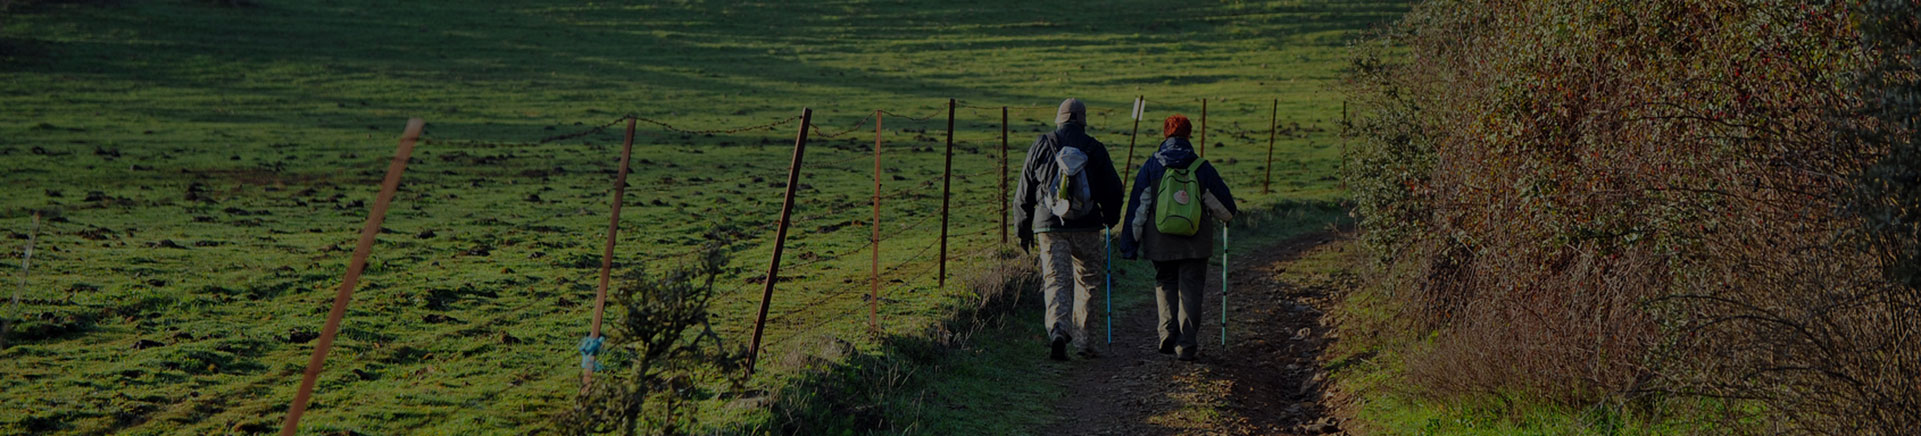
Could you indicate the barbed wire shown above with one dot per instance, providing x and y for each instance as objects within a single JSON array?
[
  {"x": 1011, "y": 109},
  {"x": 922, "y": 272},
  {"x": 824, "y": 134},
  {"x": 841, "y": 208},
  {"x": 603, "y": 128},
  {"x": 870, "y": 243},
  {"x": 933, "y": 116},
  {"x": 809, "y": 329},
  {"x": 673, "y": 128},
  {"x": 761, "y": 228},
  {"x": 820, "y": 298},
  {"x": 963, "y": 104},
  {"x": 561, "y": 137},
  {"x": 910, "y": 259},
  {"x": 845, "y": 290},
  {"x": 745, "y": 176},
  {"x": 589, "y": 131},
  {"x": 929, "y": 117},
  {"x": 917, "y": 256}
]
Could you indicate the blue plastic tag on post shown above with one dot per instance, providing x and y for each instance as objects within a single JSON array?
[{"x": 590, "y": 347}]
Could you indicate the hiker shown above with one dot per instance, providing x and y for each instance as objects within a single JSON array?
[
  {"x": 1069, "y": 192},
  {"x": 1167, "y": 222}
]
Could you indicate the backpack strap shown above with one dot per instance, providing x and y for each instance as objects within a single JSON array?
[{"x": 1053, "y": 141}]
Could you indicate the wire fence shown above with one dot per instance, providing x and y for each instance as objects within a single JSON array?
[
  {"x": 817, "y": 131},
  {"x": 904, "y": 274}
]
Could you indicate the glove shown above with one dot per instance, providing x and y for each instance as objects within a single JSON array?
[{"x": 1027, "y": 239}]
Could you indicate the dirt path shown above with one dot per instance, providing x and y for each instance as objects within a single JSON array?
[{"x": 1266, "y": 381}]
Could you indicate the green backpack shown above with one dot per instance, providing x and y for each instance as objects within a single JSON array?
[{"x": 1177, "y": 202}]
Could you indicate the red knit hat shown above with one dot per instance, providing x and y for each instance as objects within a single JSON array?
[{"x": 1177, "y": 125}]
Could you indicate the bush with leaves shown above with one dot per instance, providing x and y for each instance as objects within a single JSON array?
[
  {"x": 1586, "y": 201},
  {"x": 661, "y": 354}
]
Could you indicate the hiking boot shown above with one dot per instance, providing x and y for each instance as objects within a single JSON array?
[
  {"x": 1060, "y": 349},
  {"x": 1167, "y": 347}
]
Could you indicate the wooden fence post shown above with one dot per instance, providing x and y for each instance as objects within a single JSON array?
[
  {"x": 1004, "y": 176},
  {"x": 946, "y": 192},
  {"x": 1140, "y": 111},
  {"x": 607, "y": 255},
  {"x": 356, "y": 265},
  {"x": 780, "y": 237},
  {"x": 1273, "y": 126}
]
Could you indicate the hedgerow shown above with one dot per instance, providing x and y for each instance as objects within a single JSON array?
[{"x": 1591, "y": 201}]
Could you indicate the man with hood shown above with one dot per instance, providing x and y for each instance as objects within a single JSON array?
[
  {"x": 1068, "y": 193},
  {"x": 1180, "y": 262}
]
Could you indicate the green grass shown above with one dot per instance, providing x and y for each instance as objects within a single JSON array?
[{"x": 251, "y": 139}]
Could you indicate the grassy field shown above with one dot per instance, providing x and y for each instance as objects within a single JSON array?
[{"x": 206, "y": 168}]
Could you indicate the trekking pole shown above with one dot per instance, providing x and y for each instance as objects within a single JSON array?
[
  {"x": 1223, "y": 284},
  {"x": 1107, "y": 240}
]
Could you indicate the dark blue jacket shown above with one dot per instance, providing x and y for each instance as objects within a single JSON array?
[
  {"x": 1138, "y": 234},
  {"x": 1039, "y": 171}
]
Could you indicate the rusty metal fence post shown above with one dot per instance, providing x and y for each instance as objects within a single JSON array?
[
  {"x": 946, "y": 192},
  {"x": 355, "y": 266},
  {"x": 1273, "y": 126},
  {"x": 780, "y": 237},
  {"x": 1004, "y": 201}
]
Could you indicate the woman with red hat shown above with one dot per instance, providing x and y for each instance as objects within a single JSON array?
[{"x": 1168, "y": 222}]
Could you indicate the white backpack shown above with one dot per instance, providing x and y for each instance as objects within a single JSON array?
[{"x": 1069, "y": 197}]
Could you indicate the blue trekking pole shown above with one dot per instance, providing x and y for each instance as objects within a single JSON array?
[
  {"x": 1108, "y": 242},
  {"x": 1223, "y": 284}
]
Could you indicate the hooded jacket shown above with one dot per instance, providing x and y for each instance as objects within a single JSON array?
[
  {"x": 1040, "y": 171},
  {"x": 1140, "y": 237}
]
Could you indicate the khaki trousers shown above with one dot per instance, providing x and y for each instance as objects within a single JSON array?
[{"x": 1072, "y": 264}]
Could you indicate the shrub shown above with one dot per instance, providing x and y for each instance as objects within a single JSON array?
[
  {"x": 1614, "y": 198},
  {"x": 661, "y": 353}
]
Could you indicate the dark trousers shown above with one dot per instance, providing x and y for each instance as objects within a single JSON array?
[{"x": 1177, "y": 290}]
